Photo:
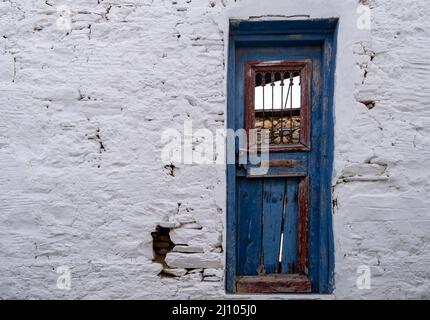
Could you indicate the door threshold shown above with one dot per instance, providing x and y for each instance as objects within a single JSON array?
[
  {"x": 281, "y": 296},
  {"x": 273, "y": 283}
]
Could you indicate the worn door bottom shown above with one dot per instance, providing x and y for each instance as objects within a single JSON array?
[{"x": 273, "y": 283}]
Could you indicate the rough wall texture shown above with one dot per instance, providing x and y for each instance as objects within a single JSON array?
[
  {"x": 382, "y": 217},
  {"x": 82, "y": 184}
]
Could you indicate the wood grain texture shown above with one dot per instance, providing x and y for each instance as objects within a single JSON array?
[
  {"x": 290, "y": 243},
  {"x": 273, "y": 207},
  {"x": 303, "y": 226},
  {"x": 274, "y": 283},
  {"x": 249, "y": 226}
]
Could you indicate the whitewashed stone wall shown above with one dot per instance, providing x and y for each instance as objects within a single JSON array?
[{"x": 82, "y": 111}]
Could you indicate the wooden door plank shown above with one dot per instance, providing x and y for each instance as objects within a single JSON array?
[
  {"x": 274, "y": 283},
  {"x": 249, "y": 225},
  {"x": 273, "y": 207},
  {"x": 303, "y": 231},
  {"x": 290, "y": 242}
]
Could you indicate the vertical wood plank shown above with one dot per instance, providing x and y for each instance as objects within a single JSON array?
[
  {"x": 249, "y": 226},
  {"x": 249, "y": 98},
  {"x": 231, "y": 217},
  {"x": 315, "y": 172},
  {"x": 290, "y": 243},
  {"x": 303, "y": 225},
  {"x": 306, "y": 105},
  {"x": 273, "y": 207},
  {"x": 326, "y": 246}
]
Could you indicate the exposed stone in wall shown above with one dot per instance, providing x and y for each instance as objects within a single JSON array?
[
  {"x": 182, "y": 260},
  {"x": 162, "y": 244},
  {"x": 381, "y": 198}
]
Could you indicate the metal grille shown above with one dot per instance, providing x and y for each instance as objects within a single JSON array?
[{"x": 277, "y": 104}]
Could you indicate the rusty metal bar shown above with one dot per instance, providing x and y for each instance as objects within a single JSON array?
[
  {"x": 272, "y": 133},
  {"x": 282, "y": 109},
  {"x": 291, "y": 106}
]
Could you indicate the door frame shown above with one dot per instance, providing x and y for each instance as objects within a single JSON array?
[{"x": 281, "y": 33}]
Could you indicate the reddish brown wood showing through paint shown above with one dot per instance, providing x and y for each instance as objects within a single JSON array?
[
  {"x": 303, "y": 249},
  {"x": 273, "y": 283}
]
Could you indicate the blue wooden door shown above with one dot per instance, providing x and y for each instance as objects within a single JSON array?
[{"x": 281, "y": 213}]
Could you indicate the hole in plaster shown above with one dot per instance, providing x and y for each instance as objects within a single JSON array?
[
  {"x": 161, "y": 246},
  {"x": 171, "y": 169},
  {"x": 369, "y": 104},
  {"x": 335, "y": 204}
]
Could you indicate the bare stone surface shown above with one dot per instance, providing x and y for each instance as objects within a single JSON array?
[
  {"x": 192, "y": 260},
  {"x": 169, "y": 225},
  {"x": 175, "y": 272},
  {"x": 192, "y": 226},
  {"x": 187, "y": 249}
]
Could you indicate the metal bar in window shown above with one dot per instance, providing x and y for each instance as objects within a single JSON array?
[
  {"x": 285, "y": 106},
  {"x": 291, "y": 106},
  {"x": 282, "y": 109},
  {"x": 263, "y": 84},
  {"x": 273, "y": 104},
  {"x": 288, "y": 124}
]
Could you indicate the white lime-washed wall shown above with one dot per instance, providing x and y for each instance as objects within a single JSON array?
[{"x": 88, "y": 86}]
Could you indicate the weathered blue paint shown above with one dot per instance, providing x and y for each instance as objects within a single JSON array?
[
  {"x": 282, "y": 27},
  {"x": 273, "y": 207},
  {"x": 282, "y": 40},
  {"x": 299, "y": 170},
  {"x": 231, "y": 219},
  {"x": 248, "y": 209},
  {"x": 290, "y": 243}
]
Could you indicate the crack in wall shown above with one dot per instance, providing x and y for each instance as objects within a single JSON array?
[
  {"x": 14, "y": 70},
  {"x": 365, "y": 66}
]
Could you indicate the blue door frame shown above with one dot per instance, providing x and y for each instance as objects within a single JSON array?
[{"x": 295, "y": 36}]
